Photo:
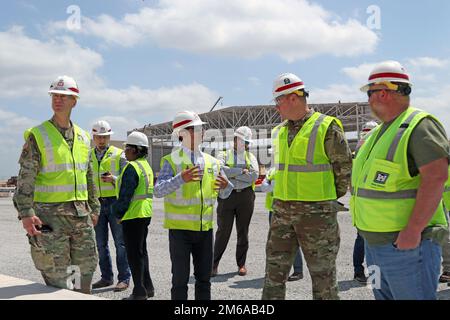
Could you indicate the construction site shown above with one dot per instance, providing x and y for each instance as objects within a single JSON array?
[{"x": 261, "y": 119}]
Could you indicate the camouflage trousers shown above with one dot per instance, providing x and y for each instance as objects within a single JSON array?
[
  {"x": 66, "y": 254},
  {"x": 314, "y": 227}
]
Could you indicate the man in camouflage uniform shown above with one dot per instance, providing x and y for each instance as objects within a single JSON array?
[
  {"x": 60, "y": 232},
  {"x": 311, "y": 224}
]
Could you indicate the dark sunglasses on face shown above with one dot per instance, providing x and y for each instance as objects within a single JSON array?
[{"x": 370, "y": 92}]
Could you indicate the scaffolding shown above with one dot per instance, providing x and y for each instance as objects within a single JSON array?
[{"x": 224, "y": 121}]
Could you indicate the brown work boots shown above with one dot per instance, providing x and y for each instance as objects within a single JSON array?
[{"x": 242, "y": 271}]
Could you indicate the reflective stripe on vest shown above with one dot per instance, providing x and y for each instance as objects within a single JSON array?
[
  {"x": 141, "y": 205},
  {"x": 376, "y": 194},
  {"x": 304, "y": 172},
  {"x": 190, "y": 207},
  {"x": 305, "y": 168},
  {"x": 187, "y": 217},
  {"x": 66, "y": 188},
  {"x": 384, "y": 194},
  {"x": 62, "y": 175}
]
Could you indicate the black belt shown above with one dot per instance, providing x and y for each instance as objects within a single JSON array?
[{"x": 240, "y": 190}]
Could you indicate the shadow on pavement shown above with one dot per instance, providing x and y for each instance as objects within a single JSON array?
[
  {"x": 24, "y": 290},
  {"x": 443, "y": 294},
  {"x": 223, "y": 277},
  {"x": 102, "y": 290},
  {"x": 248, "y": 284},
  {"x": 349, "y": 284}
]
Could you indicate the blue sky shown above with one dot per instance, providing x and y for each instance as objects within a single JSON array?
[{"x": 138, "y": 62}]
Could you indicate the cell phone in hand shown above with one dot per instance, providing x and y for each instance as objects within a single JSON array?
[{"x": 45, "y": 228}]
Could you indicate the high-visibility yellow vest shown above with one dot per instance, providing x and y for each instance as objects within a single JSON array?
[
  {"x": 63, "y": 173},
  {"x": 141, "y": 205},
  {"x": 190, "y": 207},
  {"x": 383, "y": 192},
  {"x": 446, "y": 195},
  {"x": 303, "y": 170},
  {"x": 109, "y": 163},
  {"x": 269, "y": 195},
  {"x": 229, "y": 156},
  {"x": 26, "y": 134}
]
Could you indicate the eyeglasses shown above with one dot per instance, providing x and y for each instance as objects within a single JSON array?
[
  {"x": 300, "y": 93},
  {"x": 370, "y": 92}
]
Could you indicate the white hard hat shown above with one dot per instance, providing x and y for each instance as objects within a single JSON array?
[
  {"x": 286, "y": 83},
  {"x": 387, "y": 71},
  {"x": 137, "y": 138},
  {"x": 64, "y": 85},
  {"x": 101, "y": 128},
  {"x": 244, "y": 133},
  {"x": 369, "y": 126},
  {"x": 184, "y": 119}
]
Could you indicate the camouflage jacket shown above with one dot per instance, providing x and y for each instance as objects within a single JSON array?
[{"x": 30, "y": 164}]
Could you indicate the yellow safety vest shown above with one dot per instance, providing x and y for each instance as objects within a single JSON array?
[
  {"x": 141, "y": 205},
  {"x": 109, "y": 163},
  {"x": 229, "y": 156},
  {"x": 63, "y": 173},
  {"x": 383, "y": 192},
  {"x": 26, "y": 134},
  {"x": 303, "y": 170},
  {"x": 190, "y": 207}
]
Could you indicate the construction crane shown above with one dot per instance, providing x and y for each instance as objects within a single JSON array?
[{"x": 215, "y": 104}]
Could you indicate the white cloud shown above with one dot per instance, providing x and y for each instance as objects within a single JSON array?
[
  {"x": 177, "y": 65},
  {"x": 162, "y": 101},
  {"x": 292, "y": 29},
  {"x": 335, "y": 93},
  {"x": 105, "y": 27},
  {"x": 255, "y": 81},
  {"x": 437, "y": 102},
  {"x": 359, "y": 74},
  {"x": 27, "y": 66},
  {"x": 428, "y": 62},
  {"x": 12, "y": 126}
]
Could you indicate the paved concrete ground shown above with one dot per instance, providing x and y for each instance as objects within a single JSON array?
[
  {"x": 20, "y": 289},
  {"x": 15, "y": 260}
]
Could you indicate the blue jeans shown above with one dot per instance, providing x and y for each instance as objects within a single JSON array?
[
  {"x": 406, "y": 274},
  {"x": 358, "y": 255},
  {"x": 298, "y": 262},
  {"x": 101, "y": 235}
]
